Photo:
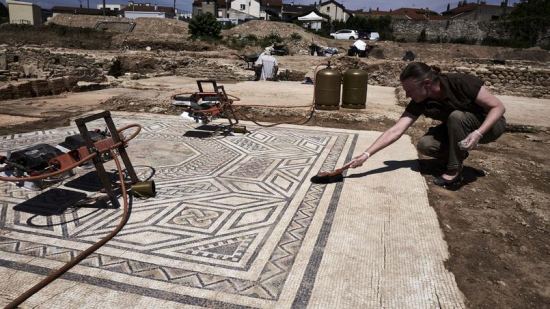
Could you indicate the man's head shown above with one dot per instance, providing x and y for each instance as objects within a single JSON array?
[{"x": 418, "y": 80}]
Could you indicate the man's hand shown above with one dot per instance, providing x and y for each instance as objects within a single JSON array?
[
  {"x": 359, "y": 160},
  {"x": 471, "y": 141}
]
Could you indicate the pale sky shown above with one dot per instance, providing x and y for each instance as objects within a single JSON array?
[{"x": 385, "y": 5}]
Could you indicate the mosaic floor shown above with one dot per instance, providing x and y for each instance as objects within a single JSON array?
[{"x": 230, "y": 217}]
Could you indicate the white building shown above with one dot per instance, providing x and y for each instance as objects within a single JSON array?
[
  {"x": 248, "y": 7},
  {"x": 24, "y": 13},
  {"x": 152, "y": 11},
  {"x": 335, "y": 10},
  {"x": 138, "y": 14},
  {"x": 112, "y": 7}
]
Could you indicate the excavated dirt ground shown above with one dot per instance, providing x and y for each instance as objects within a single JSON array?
[{"x": 497, "y": 225}]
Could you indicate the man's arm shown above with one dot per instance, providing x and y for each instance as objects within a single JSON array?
[
  {"x": 492, "y": 105},
  {"x": 387, "y": 138},
  {"x": 494, "y": 108}
]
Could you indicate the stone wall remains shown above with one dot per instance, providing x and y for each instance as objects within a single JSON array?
[
  {"x": 43, "y": 63},
  {"x": 519, "y": 80},
  {"x": 37, "y": 87},
  {"x": 446, "y": 30},
  {"x": 36, "y": 72},
  {"x": 200, "y": 68},
  {"x": 515, "y": 78}
]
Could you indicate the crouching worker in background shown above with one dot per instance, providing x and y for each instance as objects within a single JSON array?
[
  {"x": 468, "y": 112},
  {"x": 266, "y": 66}
]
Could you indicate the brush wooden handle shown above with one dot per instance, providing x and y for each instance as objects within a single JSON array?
[{"x": 345, "y": 167}]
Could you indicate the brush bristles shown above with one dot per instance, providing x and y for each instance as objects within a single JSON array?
[{"x": 327, "y": 177}]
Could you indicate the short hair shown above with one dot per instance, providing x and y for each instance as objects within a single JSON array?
[{"x": 420, "y": 71}]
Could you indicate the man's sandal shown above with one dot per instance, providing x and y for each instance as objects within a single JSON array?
[{"x": 449, "y": 184}]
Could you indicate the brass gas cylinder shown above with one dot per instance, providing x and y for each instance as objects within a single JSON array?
[
  {"x": 327, "y": 89},
  {"x": 354, "y": 93}
]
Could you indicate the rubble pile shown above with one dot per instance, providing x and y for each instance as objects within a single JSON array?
[
  {"x": 195, "y": 67},
  {"x": 45, "y": 64},
  {"x": 140, "y": 33},
  {"x": 129, "y": 102},
  {"x": 156, "y": 26},
  {"x": 429, "y": 52},
  {"x": 37, "y": 88},
  {"x": 296, "y": 38},
  {"x": 158, "y": 33},
  {"x": 143, "y": 26},
  {"x": 35, "y": 72},
  {"x": 83, "y": 21}
]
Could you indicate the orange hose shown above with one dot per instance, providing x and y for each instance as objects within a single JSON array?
[{"x": 59, "y": 272}]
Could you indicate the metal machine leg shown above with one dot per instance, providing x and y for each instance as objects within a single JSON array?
[{"x": 98, "y": 162}]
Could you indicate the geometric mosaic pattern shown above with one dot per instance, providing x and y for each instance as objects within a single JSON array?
[{"x": 231, "y": 213}]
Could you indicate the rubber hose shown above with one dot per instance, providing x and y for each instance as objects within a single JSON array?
[{"x": 57, "y": 273}]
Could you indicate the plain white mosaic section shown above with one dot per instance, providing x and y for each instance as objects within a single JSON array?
[{"x": 386, "y": 251}]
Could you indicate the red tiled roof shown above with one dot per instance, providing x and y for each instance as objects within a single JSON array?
[
  {"x": 373, "y": 13},
  {"x": 415, "y": 14},
  {"x": 469, "y": 7}
]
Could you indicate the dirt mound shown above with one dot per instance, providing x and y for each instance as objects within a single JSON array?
[
  {"x": 155, "y": 26},
  {"x": 297, "y": 39},
  {"x": 83, "y": 21},
  {"x": 55, "y": 36},
  {"x": 143, "y": 26},
  {"x": 262, "y": 28},
  {"x": 452, "y": 52},
  {"x": 160, "y": 33},
  {"x": 157, "y": 33},
  {"x": 532, "y": 54}
]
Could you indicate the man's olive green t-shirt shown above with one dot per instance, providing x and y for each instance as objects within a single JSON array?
[{"x": 459, "y": 93}]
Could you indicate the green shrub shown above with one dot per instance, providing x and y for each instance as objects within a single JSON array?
[
  {"x": 295, "y": 36},
  {"x": 270, "y": 39},
  {"x": 204, "y": 26},
  {"x": 251, "y": 38},
  {"x": 235, "y": 43}
]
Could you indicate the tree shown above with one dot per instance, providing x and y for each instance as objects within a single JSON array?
[
  {"x": 3, "y": 11},
  {"x": 4, "y": 16},
  {"x": 529, "y": 21},
  {"x": 205, "y": 25}
]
